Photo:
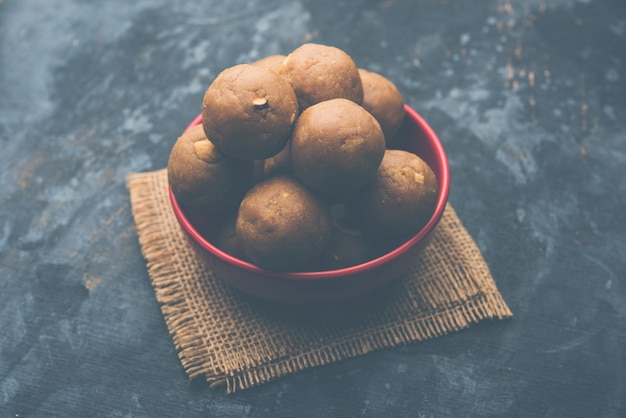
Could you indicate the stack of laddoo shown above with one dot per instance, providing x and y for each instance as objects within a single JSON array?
[{"x": 294, "y": 163}]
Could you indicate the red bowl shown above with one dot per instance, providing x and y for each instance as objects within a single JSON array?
[{"x": 415, "y": 136}]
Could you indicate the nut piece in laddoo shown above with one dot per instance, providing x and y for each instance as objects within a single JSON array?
[
  {"x": 271, "y": 62},
  {"x": 202, "y": 177},
  {"x": 402, "y": 198},
  {"x": 384, "y": 101},
  {"x": 336, "y": 147},
  {"x": 249, "y": 112},
  {"x": 281, "y": 225},
  {"x": 319, "y": 72}
]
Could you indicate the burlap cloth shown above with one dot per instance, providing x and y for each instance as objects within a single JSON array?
[{"x": 238, "y": 342}]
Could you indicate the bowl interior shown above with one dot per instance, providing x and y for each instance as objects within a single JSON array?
[{"x": 415, "y": 136}]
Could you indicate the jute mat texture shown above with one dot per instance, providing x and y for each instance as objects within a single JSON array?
[{"x": 236, "y": 342}]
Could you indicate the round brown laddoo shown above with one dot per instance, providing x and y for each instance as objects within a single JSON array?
[
  {"x": 227, "y": 240},
  {"x": 346, "y": 249},
  {"x": 384, "y": 101},
  {"x": 336, "y": 147},
  {"x": 402, "y": 198},
  {"x": 279, "y": 163},
  {"x": 274, "y": 165},
  {"x": 281, "y": 225},
  {"x": 348, "y": 245},
  {"x": 320, "y": 72},
  {"x": 271, "y": 62},
  {"x": 202, "y": 177},
  {"x": 249, "y": 112}
]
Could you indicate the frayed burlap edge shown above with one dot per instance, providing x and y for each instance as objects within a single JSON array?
[
  {"x": 486, "y": 306},
  {"x": 192, "y": 348},
  {"x": 164, "y": 275}
]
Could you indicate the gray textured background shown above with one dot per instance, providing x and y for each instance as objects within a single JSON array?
[{"x": 528, "y": 97}]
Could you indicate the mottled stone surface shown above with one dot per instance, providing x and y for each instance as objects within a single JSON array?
[{"x": 528, "y": 97}]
